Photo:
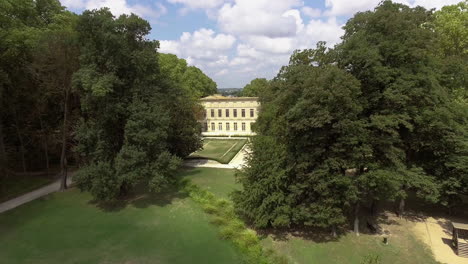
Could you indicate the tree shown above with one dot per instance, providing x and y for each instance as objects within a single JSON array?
[
  {"x": 194, "y": 82},
  {"x": 369, "y": 120},
  {"x": 129, "y": 133},
  {"x": 255, "y": 87},
  {"x": 56, "y": 61}
]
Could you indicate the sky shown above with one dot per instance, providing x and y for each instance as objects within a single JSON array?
[{"x": 236, "y": 41}]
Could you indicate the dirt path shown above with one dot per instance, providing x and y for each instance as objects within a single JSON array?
[
  {"x": 30, "y": 196},
  {"x": 437, "y": 234}
]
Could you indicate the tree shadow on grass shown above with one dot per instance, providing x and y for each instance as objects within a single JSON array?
[
  {"x": 141, "y": 198},
  {"x": 313, "y": 234}
]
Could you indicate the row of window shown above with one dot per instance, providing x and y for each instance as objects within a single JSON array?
[
  {"x": 227, "y": 126},
  {"x": 227, "y": 113}
]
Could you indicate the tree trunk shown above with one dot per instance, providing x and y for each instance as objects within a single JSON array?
[
  {"x": 401, "y": 207},
  {"x": 334, "y": 231},
  {"x": 63, "y": 157},
  {"x": 46, "y": 149},
  {"x": 373, "y": 207},
  {"x": 356, "y": 219},
  {"x": 20, "y": 138}
]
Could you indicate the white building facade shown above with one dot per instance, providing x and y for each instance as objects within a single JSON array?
[{"x": 229, "y": 116}]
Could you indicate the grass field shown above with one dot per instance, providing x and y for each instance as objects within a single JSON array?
[
  {"x": 348, "y": 249},
  {"x": 220, "y": 182},
  {"x": 221, "y": 150},
  {"x": 68, "y": 228}
]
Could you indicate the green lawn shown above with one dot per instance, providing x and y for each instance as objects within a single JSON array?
[
  {"x": 221, "y": 182},
  {"x": 12, "y": 186},
  {"x": 349, "y": 249},
  {"x": 68, "y": 228},
  {"x": 221, "y": 150}
]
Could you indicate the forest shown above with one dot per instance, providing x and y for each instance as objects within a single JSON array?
[
  {"x": 377, "y": 119},
  {"x": 92, "y": 91}
]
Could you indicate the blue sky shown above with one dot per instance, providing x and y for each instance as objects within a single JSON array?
[{"x": 235, "y": 41}]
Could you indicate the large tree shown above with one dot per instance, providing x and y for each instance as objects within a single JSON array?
[
  {"x": 370, "y": 120},
  {"x": 131, "y": 111},
  {"x": 255, "y": 87}
]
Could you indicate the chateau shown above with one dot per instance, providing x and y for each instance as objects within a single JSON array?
[{"x": 229, "y": 116}]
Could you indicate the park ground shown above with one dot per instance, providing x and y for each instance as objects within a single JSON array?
[{"x": 69, "y": 227}]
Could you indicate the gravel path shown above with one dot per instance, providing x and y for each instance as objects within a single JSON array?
[
  {"x": 437, "y": 234},
  {"x": 27, "y": 197}
]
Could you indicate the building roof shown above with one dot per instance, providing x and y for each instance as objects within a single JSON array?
[
  {"x": 460, "y": 226},
  {"x": 218, "y": 97}
]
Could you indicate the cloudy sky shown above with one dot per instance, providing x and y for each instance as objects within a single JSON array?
[{"x": 235, "y": 41}]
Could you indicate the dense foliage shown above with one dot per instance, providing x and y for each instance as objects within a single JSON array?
[
  {"x": 376, "y": 117},
  {"x": 91, "y": 89},
  {"x": 255, "y": 87}
]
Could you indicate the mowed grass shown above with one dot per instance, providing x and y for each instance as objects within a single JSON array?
[
  {"x": 68, "y": 228},
  {"x": 220, "y": 182},
  {"x": 221, "y": 150},
  {"x": 404, "y": 247}
]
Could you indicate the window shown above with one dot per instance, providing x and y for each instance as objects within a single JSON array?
[
  {"x": 251, "y": 113},
  {"x": 243, "y": 112},
  {"x": 220, "y": 113},
  {"x": 235, "y": 126},
  {"x": 227, "y": 112},
  {"x": 212, "y": 126},
  {"x": 243, "y": 126},
  {"x": 212, "y": 112},
  {"x": 220, "y": 126},
  {"x": 228, "y": 127},
  {"x": 205, "y": 127},
  {"x": 205, "y": 114},
  {"x": 235, "y": 113}
]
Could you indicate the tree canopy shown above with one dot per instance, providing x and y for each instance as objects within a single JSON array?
[
  {"x": 370, "y": 120},
  {"x": 92, "y": 90},
  {"x": 255, "y": 87}
]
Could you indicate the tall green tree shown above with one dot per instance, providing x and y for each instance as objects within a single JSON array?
[
  {"x": 130, "y": 109},
  {"x": 255, "y": 87},
  {"x": 56, "y": 60},
  {"x": 371, "y": 120},
  {"x": 194, "y": 82}
]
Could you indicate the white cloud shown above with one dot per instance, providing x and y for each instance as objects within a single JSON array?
[
  {"x": 320, "y": 30},
  {"x": 311, "y": 12},
  {"x": 119, "y": 7},
  {"x": 73, "y": 3},
  {"x": 257, "y": 37},
  {"x": 271, "y": 45},
  {"x": 222, "y": 72},
  {"x": 345, "y": 7},
  {"x": 240, "y": 61},
  {"x": 437, "y": 4},
  {"x": 202, "y": 48},
  {"x": 198, "y": 4},
  {"x": 259, "y": 17}
]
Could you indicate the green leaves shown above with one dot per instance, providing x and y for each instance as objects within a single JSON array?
[{"x": 376, "y": 118}]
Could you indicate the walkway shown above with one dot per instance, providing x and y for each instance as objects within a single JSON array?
[{"x": 53, "y": 187}]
